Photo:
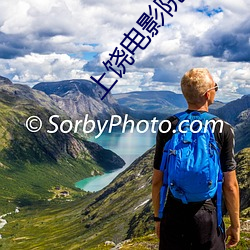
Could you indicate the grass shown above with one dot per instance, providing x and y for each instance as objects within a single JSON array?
[
  {"x": 51, "y": 225},
  {"x": 31, "y": 183},
  {"x": 244, "y": 243}
]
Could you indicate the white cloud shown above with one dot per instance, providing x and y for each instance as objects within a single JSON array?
[
  {"x": 35, "y": 68},
  {"x": 47, "y": 40}
]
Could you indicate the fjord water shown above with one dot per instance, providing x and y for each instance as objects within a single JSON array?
[{"x": 128, "y": 146}]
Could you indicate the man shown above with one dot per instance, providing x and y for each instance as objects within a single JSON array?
[{"x": 194, "y": 225}]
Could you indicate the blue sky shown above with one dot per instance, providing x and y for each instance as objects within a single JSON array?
[{"x": 65, "y": 39}]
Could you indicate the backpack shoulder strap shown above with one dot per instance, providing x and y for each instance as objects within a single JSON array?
[
  {"x": 182, "y": 115},
  {"x": 208, "y": 116}
]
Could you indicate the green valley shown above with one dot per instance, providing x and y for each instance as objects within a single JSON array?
[
  {"x": 120, "y": 213},
  {"x": 38, "y": 172},
  {"x": 32, "y": 163}
]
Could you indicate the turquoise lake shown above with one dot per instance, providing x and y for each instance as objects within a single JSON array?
[{"x": 129, "y": 146}]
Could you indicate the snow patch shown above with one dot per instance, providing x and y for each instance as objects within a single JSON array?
[
  {"x": 2, "y": 223},
  {"x": 142, "y": 204},
  {"x": 143, "y": 186}
]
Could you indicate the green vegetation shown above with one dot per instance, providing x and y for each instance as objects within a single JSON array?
[
  {"x": 49, "y": 225},
  {"x": 38, "y": 172},
  {"x": 57, "y": 225},
  {"x": 244, "y": 235},
  {"x": 150, "y": 242},
  {"x": 32, "y": 163},
  {"x": 84, "y": 222},
  {"x": 243, "y": 175},
  {"x": 113, "y": 214},
  {"x": 32, "y": 183}
]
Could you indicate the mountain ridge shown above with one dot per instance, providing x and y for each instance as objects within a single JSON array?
[
  {"x": 4, "y": 80},
  {"x": 58, "y": 159},
  {"x": 237, "y": 114},
  {"x": 230, "y": 111},
  {"x": 80, "y": 97},
  {"x": 120, "y": 211},
  {"x": 160, "y": 103}
]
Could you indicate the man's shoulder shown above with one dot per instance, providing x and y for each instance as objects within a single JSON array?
[
  {"x": 172, "y": 119},
  {"x": 227, "y": 127},
  {"x": 220, "y": 124}
]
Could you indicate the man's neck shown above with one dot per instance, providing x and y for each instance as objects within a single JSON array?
[{"x": 198, "y": 107}]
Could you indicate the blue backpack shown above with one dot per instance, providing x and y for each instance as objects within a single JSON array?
[{"x": 191, "y": 162}]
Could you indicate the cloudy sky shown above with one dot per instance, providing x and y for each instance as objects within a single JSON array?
[{"x": 54, "y": 40}]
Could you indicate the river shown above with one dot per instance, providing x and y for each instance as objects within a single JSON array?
[{"x": 128, "y": 146}]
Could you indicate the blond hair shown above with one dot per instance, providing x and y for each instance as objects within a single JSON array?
[{"x": 195, "y": 83}]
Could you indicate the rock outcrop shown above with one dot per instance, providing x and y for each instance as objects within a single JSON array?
[
  {"x": 4, "y": 80},
  {"x": 80, "y": 97}
]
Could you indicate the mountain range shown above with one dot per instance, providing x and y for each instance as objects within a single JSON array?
[
  {"x": 237, "y": 113},
  {"x": 165, "y": 103},
  {"x": 149, "y": 104},
  {"x": 80, "y": 97},
  {"x": 33, "y": 166},
  {"x": 32, "y": 163},
  {"x": 139, "y": 104},
  {"x": 231, "y": 111}
]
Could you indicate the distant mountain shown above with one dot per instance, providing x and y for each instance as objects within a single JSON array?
[
  {"x": 152, "y": 101},
  {"x": 4, "y": 80},
  {"x": 237, "y": 114},
  {"x": 216, "y": 105},
  {"x": 149, "y": 104},
  {"x": 232, "y": 110},
  {"x": 31, "y": 163},
  {"x": 80, "y": 97},
  {"x": 242, "y": 130}
]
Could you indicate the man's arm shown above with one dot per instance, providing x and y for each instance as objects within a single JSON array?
[
  {"x": 156, "y": 187},
  {"x": 231, "y": 195}
]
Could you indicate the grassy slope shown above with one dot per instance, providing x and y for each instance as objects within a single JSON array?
[
  {"x": 55, "y": 225},
  {"x": 60, "y": 225},
  {"x": 150, "y": 242},
  {"x": 27, "y": 186},
  {"x": 28, "y": 168},
  {"x": 243, "y": 175}
]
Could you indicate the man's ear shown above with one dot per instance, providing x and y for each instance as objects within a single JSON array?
[{"x": 207, "y": 95}]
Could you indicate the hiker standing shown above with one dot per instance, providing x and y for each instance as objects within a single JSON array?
[{"x": 192, "y": 169}]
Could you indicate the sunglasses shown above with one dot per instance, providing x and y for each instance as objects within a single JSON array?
[{"x": 216, "y": 87}]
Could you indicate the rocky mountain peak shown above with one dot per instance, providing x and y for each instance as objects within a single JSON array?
[
  {"x": 79, "y": 97},
  {"x": 231, "y": 110},
  {"x": 63, "y": 88},
  {"x": 17, "y": 103},
  {"x": 4, "y": 80}
]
